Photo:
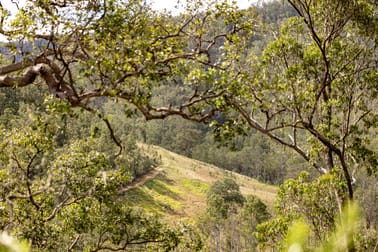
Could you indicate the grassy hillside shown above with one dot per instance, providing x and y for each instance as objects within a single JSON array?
[{"x": 177, "y": 188}]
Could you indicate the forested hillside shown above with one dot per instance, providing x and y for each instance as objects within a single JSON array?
[{"x": 284, "y": 92}]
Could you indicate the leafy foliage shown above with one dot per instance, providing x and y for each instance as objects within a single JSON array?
[
  {"x": 312, "y": 89},
  {"x": 223, "y": 196},
  {"x": 230, "y": 218},
  {"x": 59, "y": 191},
  {"x": 304, "y": 221},
  {"x": 9, "y": 244},
  {"x": 343, "y": 238}
]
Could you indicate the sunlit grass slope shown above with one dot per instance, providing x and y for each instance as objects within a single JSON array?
[{"x": 177, "y": 187}]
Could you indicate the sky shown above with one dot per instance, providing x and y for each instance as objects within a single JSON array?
[
  {"x": 170, "y": 4},
  {"x": 157, "y": 4}
]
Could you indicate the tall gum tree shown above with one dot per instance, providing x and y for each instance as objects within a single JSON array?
[
  {"x": 319, "y": 78},
  {"x": 86, "y": 50}
]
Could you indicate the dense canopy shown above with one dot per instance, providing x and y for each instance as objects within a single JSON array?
[{"x": 307, "y": 80}]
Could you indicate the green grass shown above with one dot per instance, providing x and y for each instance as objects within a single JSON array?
[
  {"x": 196, "y": 186},
  {"x": 178, "y": 191}
]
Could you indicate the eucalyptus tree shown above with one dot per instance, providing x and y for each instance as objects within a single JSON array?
[
  {"x": 85, "y": 50},
  {"x": 230, "y": 218},
  {"x": 314, "y": 89},
  {"x": 66, "y": 194},
  {"x": 317, "y": 84}
]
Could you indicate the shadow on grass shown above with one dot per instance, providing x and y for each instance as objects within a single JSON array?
[
  {"x": 139, "y": 197},
  {"x": 159, "y": 185}
]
